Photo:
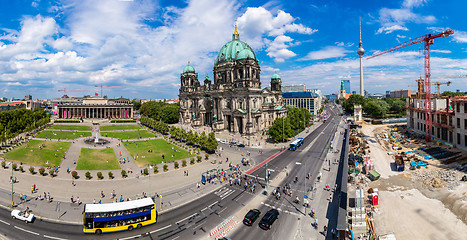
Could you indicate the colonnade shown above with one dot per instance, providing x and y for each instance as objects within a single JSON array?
[{"x": 95, "y": 112}]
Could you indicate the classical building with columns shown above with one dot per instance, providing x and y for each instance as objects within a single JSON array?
[
  {"x": 95, "y": 108},
  {"x": 235, "y": 101}
]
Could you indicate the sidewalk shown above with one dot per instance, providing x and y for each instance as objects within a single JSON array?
[
  {"x": 320, "y": 197},
  {"x": 175, "y": 188}
]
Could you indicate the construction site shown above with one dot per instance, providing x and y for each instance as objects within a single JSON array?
[{"x": 408, "y": 180}]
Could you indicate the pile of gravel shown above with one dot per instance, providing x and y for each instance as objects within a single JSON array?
[{"x": 437, "y": 178}]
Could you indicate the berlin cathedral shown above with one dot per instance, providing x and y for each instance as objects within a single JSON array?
[{"x": 235, "y": 102}]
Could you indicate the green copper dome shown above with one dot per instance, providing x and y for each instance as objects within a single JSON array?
[
  {"x": 275, "y": 77},
  {"x": 189, "y": 69},
  {"x": 235, "y": 50}
]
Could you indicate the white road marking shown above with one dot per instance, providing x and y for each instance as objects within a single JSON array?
[
  {"x": 129, "y": 237},
  {"x": 226, "y": 194},
  {"x": 54, "y": 237},
  {"x": 186, "y": 218},
  {"x": 213, "y": 204},
  {"x": 157, "y": 230},
  {"x": 7, "y": 223},
  {"x": 24, "y": 230}
]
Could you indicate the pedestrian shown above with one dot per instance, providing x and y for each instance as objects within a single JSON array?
[
  {"x": 197, "y": 184},
  {"x": 72, "y": 199},
  {"x": 330, "y": 197},
  {"x": 102, "y": 194},
  {"x": 78, "y": 201}
]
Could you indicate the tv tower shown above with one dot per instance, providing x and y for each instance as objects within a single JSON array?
[{"x": 360, "y": 52}]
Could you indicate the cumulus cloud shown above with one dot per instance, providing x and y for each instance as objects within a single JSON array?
[
  {"x": 395, "y": 19},
  {"x": 413, "y": 3},
  {"x": 460, "y": 36},
  {"x": 258, "y": 24},
  {"x": 326, "y": 53},
  {"x": 391, "y": 29}
]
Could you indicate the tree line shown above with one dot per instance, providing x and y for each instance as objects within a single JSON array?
[
  {"x": 160, "y": 111},
  {"x": 21, "y": 120},
  {"x": 157, "y": 126},
  {"x": 207, "y": 142},
  {"x": 296, "y": 121},
  {"x": 376, "y": 108}
]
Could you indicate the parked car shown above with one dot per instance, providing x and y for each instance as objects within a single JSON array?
[
  {"x": 22, "y": 215},
  {"x": 251, "y": 217},
  {"x": 241, "y": 145},
  {"x": 268, "y": 219}
]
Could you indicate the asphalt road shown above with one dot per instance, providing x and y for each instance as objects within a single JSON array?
[
  {"x": 311, "y": 156},
  {"x": 194, "y": 220}
]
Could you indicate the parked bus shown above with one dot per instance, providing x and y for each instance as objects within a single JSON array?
[
  {"x": 296, "y": 144},
  {"x": 112, "y": 217}
]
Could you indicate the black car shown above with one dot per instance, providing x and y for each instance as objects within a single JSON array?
[
  {"x": 268, "y": 219},
  {"x": 241, "y": 145},
  {"x": 251, "y": 217}
]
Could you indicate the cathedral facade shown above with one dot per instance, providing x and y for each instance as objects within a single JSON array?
[{"x": 235, "y": 100}]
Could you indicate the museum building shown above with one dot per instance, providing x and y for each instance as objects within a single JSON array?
[{"x": 99, "y": 108}]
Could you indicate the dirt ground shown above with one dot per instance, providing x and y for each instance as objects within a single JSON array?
[{"x": 410, "y": 208}]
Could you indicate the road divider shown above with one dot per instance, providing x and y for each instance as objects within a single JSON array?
[
  {"x": 220, "y": 226},
  {"x": 265, "y": 161}
]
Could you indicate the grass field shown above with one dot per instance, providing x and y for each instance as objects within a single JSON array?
[
  {"x": 159, "y": 147},
  {"x": 97, "y": 159},
  {"x": 62, "y": 134},
  {"x": 119, "y": 127},
  {"x": 31, "y": 154},
  {"x": 71, "y": 127},
  {"x": 128, "y": 134}
]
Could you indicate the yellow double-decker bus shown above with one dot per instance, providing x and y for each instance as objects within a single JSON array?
[{"x": 112, "y": 217}]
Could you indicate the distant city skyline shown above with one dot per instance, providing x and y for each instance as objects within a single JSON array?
[{"x": 144, "y": 45}]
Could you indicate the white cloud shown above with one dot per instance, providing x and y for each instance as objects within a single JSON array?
[
  {"x": 413, "y": 3},
  {"x": 396, "y": 19},
  {"x": 460, "y": 36},
  {"x": 326, "y": 53},
  {"x": 392, "y": 29},
  {"x": 440, "y": 51},
  {"x": 258, "y": 23}
]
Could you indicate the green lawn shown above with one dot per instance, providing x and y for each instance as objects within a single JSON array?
[
  {"x": 159, "y": 147},
  {"x": 119, "y": 127},
  {"x": 29, "y": 153},
  {"x": 71, "y": 127},
  {"x": 128, "y": 134},
  {"x": 62, "y": 134},
  {"x": 97, "y": 159}
]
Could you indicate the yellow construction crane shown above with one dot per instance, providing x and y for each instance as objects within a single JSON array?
[{"x": 438, "y": 84}]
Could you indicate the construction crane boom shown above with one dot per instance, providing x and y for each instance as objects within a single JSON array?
[
  {"x": 70, "y": 90},
  {"x": 104, "y": 86},
  {"x": 428, "y": 40}
]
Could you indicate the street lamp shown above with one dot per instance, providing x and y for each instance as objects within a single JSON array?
[{"x": 299, "y": 163}]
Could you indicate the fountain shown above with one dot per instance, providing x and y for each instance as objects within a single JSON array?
[{"x": 96, "y": 140}]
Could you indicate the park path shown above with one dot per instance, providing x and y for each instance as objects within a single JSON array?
[{"x": 71, "y": 155}]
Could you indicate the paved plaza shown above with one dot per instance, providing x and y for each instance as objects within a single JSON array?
[{"x": 174, "y": 187}]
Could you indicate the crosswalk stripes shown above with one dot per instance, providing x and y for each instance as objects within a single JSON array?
[{"x": 224, "y": 192}]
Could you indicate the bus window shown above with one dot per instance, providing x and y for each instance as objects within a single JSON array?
[{"x": 88, "y": 223}]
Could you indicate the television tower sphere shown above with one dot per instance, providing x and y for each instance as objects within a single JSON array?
[{"x": 360, "y": 50}]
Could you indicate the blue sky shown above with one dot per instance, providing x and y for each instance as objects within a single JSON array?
[{"x": 143, "y": 45}]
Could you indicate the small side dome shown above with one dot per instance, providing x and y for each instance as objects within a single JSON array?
[
  {"x": 276, "y": 77},
  {"x": 246, "y": 53},
  {"x": 189, "y": 68}
]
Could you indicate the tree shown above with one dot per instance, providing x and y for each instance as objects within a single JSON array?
[
  {"x": 203, "y": 139},
  {"x": 374, "y": 109},
  {"x": 354, "y": 99},
  {"x": 136, "y": 104},
  {"x": 211, "y": 143},
  {"x": 452, "y": 94},
  {"x": 398, "y": 106},
  {"x": 281, "y": 129}
]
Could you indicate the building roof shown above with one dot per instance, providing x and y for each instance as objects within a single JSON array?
[
  {"x": 3, "y": 104},
  {"x": 189, "y": 68},
  {"x": 459, "y": 99},
  {"x": 235, "y": 50},
  {"x": 299, "y": 95},
  {"x": 275, "y": 77}
]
